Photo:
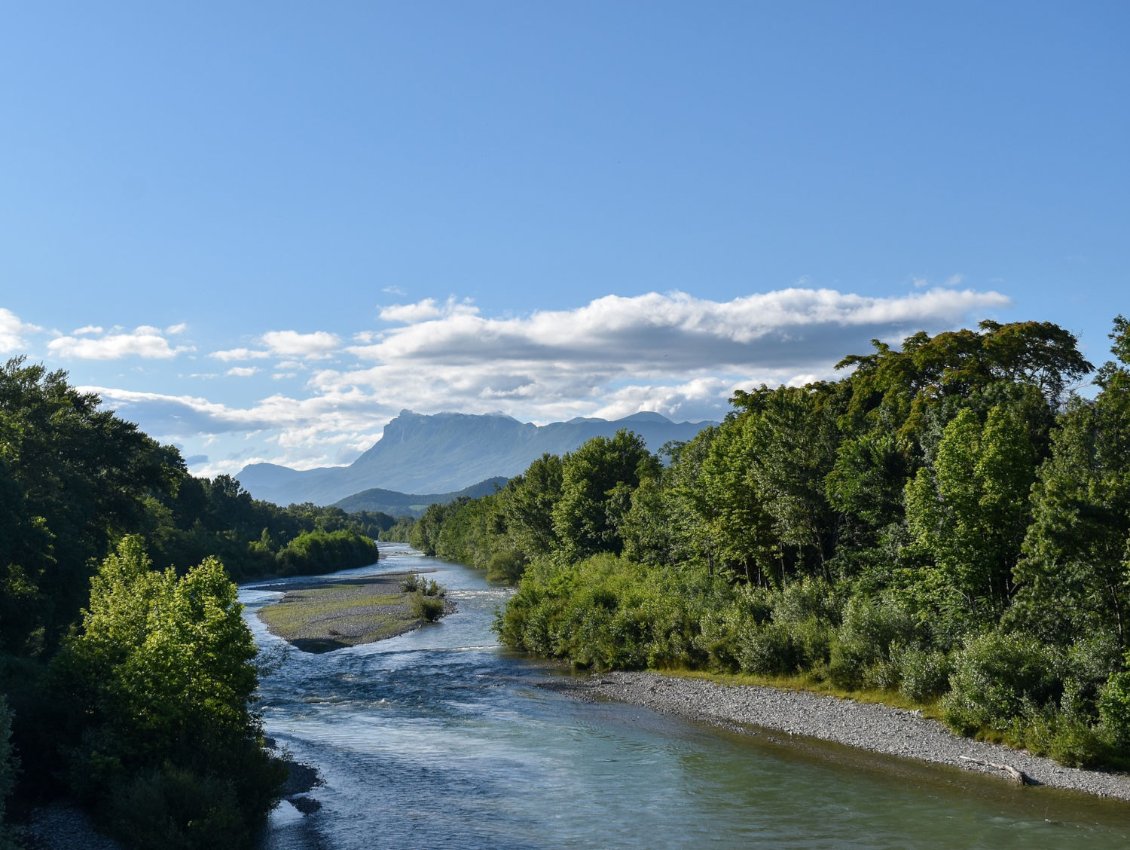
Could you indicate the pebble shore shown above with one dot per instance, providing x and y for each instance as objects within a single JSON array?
[
  {"x": 63, "y": 826},
  {"x": 876, "y": 728}
]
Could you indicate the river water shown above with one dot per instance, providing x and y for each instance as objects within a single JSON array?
[{"x": 440, "y": 738}]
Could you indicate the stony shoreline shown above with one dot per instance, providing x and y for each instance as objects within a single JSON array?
[{"x": 875, "y": 728}]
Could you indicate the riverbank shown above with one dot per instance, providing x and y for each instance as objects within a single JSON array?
[
  {"x": 871, "y": 727},
  {"x": 329, "y": 615},
  {"x": 64, "y": 826}
]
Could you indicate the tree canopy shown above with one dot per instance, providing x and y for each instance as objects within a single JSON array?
[{"x": 949, "y": 519}]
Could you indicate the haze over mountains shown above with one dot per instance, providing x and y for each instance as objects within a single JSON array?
[{"x": 445, "y": 452}]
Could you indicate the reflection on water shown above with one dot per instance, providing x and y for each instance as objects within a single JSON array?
[{"x": 438, "y": 738}]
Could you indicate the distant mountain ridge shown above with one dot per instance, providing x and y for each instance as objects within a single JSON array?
[
  {"x": 446, "y": 452},
  {"x": 413, "y": 504}
]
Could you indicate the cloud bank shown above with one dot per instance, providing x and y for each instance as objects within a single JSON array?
[
  {"x": 93, "y": 343},
  {"x": 671, "y": 353}
]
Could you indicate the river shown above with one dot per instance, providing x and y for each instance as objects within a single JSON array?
[{"x": 440, "y": 738}]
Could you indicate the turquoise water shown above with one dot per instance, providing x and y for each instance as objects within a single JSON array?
[{"x": 439, "y": 738}]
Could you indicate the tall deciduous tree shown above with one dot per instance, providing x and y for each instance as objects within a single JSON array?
[
  {"x": 596, "y": 482},
  {"x": 1075, "y": 574},
  {"x": 161, "y": 677},
  {"x": 968, "y": 513}
]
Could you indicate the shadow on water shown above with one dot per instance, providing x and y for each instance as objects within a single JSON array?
[{"x": 438, "y": 738}]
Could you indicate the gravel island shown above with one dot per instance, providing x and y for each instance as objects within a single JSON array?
[{"x": 345, "y": 612}]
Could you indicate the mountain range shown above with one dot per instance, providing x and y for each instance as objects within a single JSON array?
[
  {"x": 446, "y": 452},
  {"x": 413, "y": 505}
]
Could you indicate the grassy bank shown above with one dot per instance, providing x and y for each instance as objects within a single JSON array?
[{"x": 332, "y": 615}]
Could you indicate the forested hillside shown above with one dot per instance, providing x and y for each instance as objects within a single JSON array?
[
  {"x": 950, "y": 522},
  {"x": 132, "y": 693}
]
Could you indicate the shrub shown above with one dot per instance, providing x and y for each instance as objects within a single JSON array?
[
  {"x": 506, "y": 565},
  {"x": 1114, "y": 708},
  {"x": 725, "y": 627},
  {"x": 802, "y": 600},
  {"x": 428, "y": 608},
  {"x": 1067, "y": 738},
  {"x": 995, "y": 676},
  {"x": 171, "y": 808},
  {"x": 924, "y": 673},
  {"x": 1077, "y": 743},
  {"x": 882, "y": 675},
  {"x": 860, "y": 653},
  {"x": 769, "y": 650}
]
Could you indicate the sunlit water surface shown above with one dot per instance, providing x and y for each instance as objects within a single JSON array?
[{"x": 439, "y": 738}]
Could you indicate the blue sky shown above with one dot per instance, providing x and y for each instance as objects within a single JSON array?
[{"x": 262, "y": 229}]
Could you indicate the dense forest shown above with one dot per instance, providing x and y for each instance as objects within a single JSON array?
[
  {"x": 947, "y": 525},
  {"x": 126, "y": 671}
]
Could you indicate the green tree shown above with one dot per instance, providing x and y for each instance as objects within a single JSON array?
[
  {"x": 968, "y": 514},
  {"x": 75, "y": 478},
  {"x": 161, "y": 676},
  {"x": 596, "y": 483},
  {"x": 1075, "y": 573},
  {"x": 740, "y": 538},
  {"x": 527, "y": 505}
]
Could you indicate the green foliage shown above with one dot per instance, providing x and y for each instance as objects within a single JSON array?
[
  {"x": 427, "y": 607},
  {"x": 1076, "y": 553},
  {"x": 796, "y": 631},
  {"x": 74, "y": 479},
  {"x": 862, "y": 653},
  {"x": 603, "y": 612},
  {"x": 324, "y": 551},
  {"x": 996, "y": 677},
  {"x": 923, "y": 673},
  {"x": 968, "y": 514},
  {"x": 596, "y": 484},
  {"x": 527, "y": 503},
  {"x": 159, "y": 680},
  {"x": 946, "y": 520},
  {"x": 1114, "y": 708},
  {"x": 170, "y": 807}
]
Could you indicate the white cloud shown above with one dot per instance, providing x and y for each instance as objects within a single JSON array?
[
  {"x": 170, "y": 416},
  {"x": 316, "y": 345},
  {"x": 239, "y": 354},
  {"x": 13, "y": 331},
  {"x": 658, "y": 332},
  {"x": 177, "y": 329},
  {"x": 285, "y": 344},
  {"x": 93, "y": 344},
  {"x": 408, "y": 313},
  {"x": 87, "y": 329},
  {"x": 694, "y": 400},
  {"x": 426, "y": 310},
  {"x": 242, "y": 371}
]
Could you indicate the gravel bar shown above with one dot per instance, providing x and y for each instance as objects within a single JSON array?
[{"x": 876, "y": 728}]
